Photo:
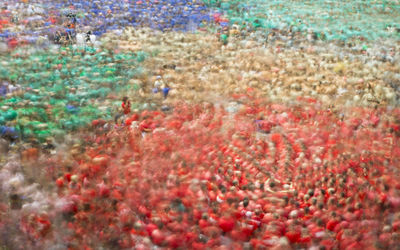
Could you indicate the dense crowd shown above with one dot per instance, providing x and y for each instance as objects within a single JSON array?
[
  {"x": 42, "y": 22},
  {"x": 63, "y": 90},
  {"x": 255, "y": 176},
  {"x": 359, "y": 75}
]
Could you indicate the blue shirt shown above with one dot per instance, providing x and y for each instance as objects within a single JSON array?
[
  {"x": 165, "y": 91},
  {"x": 3, "y": 90}
]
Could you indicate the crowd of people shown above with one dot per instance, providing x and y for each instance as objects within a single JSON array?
[
  {"x": 201, "y": 176},
  {"x": 187, "y": 124},
  {"x": 41, "y": 23},
  {"x": 359, "y": 75}
]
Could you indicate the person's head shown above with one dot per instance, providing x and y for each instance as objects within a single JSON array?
[
  {"x": 245, "y": 202},
  {"x": 125, "y": 99}
]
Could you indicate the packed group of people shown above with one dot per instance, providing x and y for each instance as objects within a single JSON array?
[
  {"x": 63, "y": 91},
  {"x": 360, "y": 75},
  {"x": 44, "y": 22},
  {"x": 187, "y": 124},
  {"x": 202, "y": 176}
]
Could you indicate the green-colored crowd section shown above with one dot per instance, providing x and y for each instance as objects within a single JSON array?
[
  {"x": 63, "y": 90},
  {"x": 333, "y": 20}
]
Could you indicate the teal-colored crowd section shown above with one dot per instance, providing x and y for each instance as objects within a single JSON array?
[
  {"x": 63, "y": 90},
  {"x": 336, "y": 20}
]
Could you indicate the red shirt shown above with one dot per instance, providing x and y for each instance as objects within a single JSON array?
[{"x": 126, "y": 107}]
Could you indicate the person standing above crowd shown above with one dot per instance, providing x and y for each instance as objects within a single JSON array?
[
  {"x": 126, "y": 105},
  {"x": 157, "y": 84},
  {"x": 125, "y": 109}
]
